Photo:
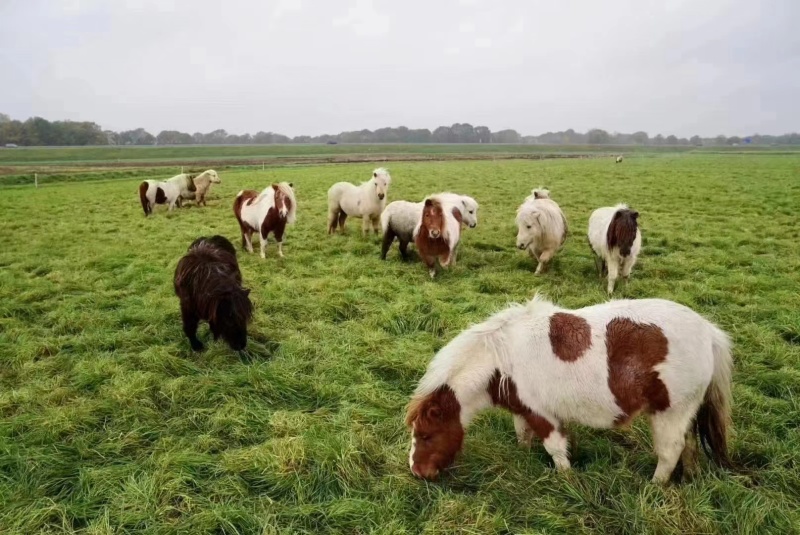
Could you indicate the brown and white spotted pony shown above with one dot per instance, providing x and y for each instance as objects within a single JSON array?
[
  {"x": 438, "y": 232},
  {"x": 266, "y": 212},
  {"x": 599, "y": 366},
  {"x": 169, "y": 192},
  {"x": 615, "y": 239}
]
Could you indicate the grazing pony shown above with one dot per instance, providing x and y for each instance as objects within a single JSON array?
[
  {"x": 209, "y": 285},
  {"x": 152, "y": 192},
  {"x": 267, "y": 212},
  {"x": 366, "y": 201},
  {"x": 619, "y": 159},
  {"x": 598, "y": 366},
  {"x": 201, "y": 184},
  {"x": 437, "y": 233},
  {"x": 399, "y": 219},
  {"x": 541, "y": 227},
  {"x": 615, "y": 239}
]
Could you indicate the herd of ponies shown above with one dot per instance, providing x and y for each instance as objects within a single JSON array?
[{"x": 599, "y": 366}]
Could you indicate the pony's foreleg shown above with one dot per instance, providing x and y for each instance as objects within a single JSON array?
[
  {"x": 404, "y": 249},
  {"x": 544, "y": 258},
  {"x": 430, "y": 261},
  {"x": 190, "y": 322},
  {"x": 388, "y": 239},
  {"x": 554, "y": 440},
  {"x": 627, "y": 266},
  {"x": 263, "y": 245},
  {"x": 366, "y": 222},
  {"x": 376, "y": 224},
  {"x": 669, "y": 438},
  {"x": 613, "y": 273},
  {"x": 557, "y": 445},
  {"x": 524, "y": 433},
  {"x": 278, "y": 233}
]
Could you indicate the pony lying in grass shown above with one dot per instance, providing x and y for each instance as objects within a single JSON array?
[
  {"x": 209, "y": 285},
  {"x": 153, "y": 192},
  {"x": 615, "y": 240},
  {"x": 201, "y": 185},
  {"x": 399, "y": 219},
  {"x": 267, "y": 212},
  {"x": 366, "y": 201},
  {"x": 438, "y": 232},
  {"x": 541, "y": 227},
  {"x": 599, "y": 366}
]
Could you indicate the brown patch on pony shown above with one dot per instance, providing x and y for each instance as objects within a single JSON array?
[
  {"x": 437, "y": 431},
  {"x": 503, "y": 391},
  {"x": 161, "y": 197},
  {"x": 430, "y": 247},
  {"x": 634, "y": 349},
  {"x": 570, "y": 336},
  {"x": 273, "y": 221},
  {"x": 622, "y": 230},
  {"x": 143, "y": 197}
]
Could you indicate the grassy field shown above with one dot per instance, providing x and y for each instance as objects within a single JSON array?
[{"x": 109, "y": 424}]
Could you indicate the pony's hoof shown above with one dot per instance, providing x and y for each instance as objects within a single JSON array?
[{"x": 197, "y": 346}]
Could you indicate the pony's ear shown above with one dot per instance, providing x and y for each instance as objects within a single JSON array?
[
  {"x": 537, "y": 195},
  {"x": 428, "y": 202},
  {"x": 374, "y": 175},
  {"x": 291, "y": 184},
  {"x": 635, "y": 214},
  {"x": 433, "y": 412}
]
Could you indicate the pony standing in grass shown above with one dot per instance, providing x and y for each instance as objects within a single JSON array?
[
  {"x": 615, "y": 240},
  {"x": 541, "y": 227},
  {"x": 599, "y": 366},
  {"x": 438, "y": 232},
  {"x": 267, "y": 212},
  {"x": 619, "y": 159},
  {"x": 209, "y": 285},
  {"x": 400, "y": 218},
  {"x": 201, "y": 185},
  {"x": 169, "y": 192},
  {"x": 366, "y": 201}
]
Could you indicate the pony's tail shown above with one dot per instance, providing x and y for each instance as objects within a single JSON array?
[
  {"x": 237, "y": 206},
  {"x": 713, "y": 422},
  {"x": 143, "y": 197},
  {"x": 386, "y": 218}
]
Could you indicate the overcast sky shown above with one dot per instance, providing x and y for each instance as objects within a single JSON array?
[{"x": 323, "y": 66}]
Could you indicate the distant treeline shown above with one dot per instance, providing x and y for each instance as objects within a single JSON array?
[{"x": 41, "y": 132}]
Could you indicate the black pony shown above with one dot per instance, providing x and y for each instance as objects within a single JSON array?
[{"x": 209, "y": 285}]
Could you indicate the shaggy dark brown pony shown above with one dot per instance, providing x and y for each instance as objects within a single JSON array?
[
  {"x": 209, "y": 285},
  {"x": 622, "y": 230}
]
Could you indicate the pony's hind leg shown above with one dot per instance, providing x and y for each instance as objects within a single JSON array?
[
  {"x": 669, "y": 438},
  {"x": 333, "y": 220},
  {"x": 404, "y": 249},
  {"x": 247, "y": 240},
  {"x": 376, "y": 224},
  {"x": 388, "y": 239}
]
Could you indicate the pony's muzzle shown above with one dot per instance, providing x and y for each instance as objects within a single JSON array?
[
  {"x": 381, "y": 196},
  {"x": 433, "y": 233},
  {"x": 473, "y": 225},
  {"x": 428, "y": 472},
  {"x": 521, "y": 246}
]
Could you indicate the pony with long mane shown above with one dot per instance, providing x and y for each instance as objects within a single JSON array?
[
  {"x": 598, "y": 366},
  {"x": 366, "y": 201},
  {"x": 201, "y": 184},
  {"x": 269, "y": 211},
  {"x": 399, "y": 219},
  {"x": 438, "y": 232},
  {"x": 541, "y": 228},
  {"x": 208, "y": 284},
  {"x": 615, "y": 240}
]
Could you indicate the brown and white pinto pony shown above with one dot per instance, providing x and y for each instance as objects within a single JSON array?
[
  {"x": 599, "y": 366},
  {"x": 170, "y": 192},
  {"x": 615, "y": 239},
  {"x": 266, "y": 212},
  {"x": 437, "y": 233},
  {"x": 208, "y": 284}
]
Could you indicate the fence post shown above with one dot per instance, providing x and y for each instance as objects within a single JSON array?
[
  {"x": 36, "y": 179},
  {"x": 262, "y": 166},
  {"x": 181, "y": 169}
]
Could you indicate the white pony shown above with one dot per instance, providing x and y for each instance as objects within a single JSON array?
[
  {"x": 399, "y": 219},
  {"x": 366, "y": 201},
  {"x": 197, "y": 185},
  {"x": 619, "y": 159},
  {"x": 541, "y": 227},
  {"x": 616, "y": 241},
  {"x": 599, "y": 366},
  {"x": 153, "y": 192}
]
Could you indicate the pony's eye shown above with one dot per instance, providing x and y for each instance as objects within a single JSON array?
[
  {"x": 424, "y": 437},
  {"x": 529, "y": 226},
  {"x": 471, "y": 211}
]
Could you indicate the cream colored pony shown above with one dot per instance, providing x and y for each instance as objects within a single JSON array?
[{"x": 366, "y": 201}]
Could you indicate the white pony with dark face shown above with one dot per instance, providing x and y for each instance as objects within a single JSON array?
[
  {"x": 366, "y": 201},
  {"x": 400, "y": 218}
]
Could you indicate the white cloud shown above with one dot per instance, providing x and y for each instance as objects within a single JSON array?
[
  {"x": 452, "y": 50},
  {"x": 466, "y": 27},
  {"x": 483, "y": 42}
]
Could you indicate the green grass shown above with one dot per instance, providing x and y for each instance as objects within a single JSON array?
[{"x": 109, "y": 424}]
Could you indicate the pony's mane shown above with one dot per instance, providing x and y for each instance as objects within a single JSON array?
[
  {"x": 288, "y": 191},
  {"x": 488, "y": 339},
  {"x": 622, "y": 229},
  {"x": 546, "y": 208}
]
